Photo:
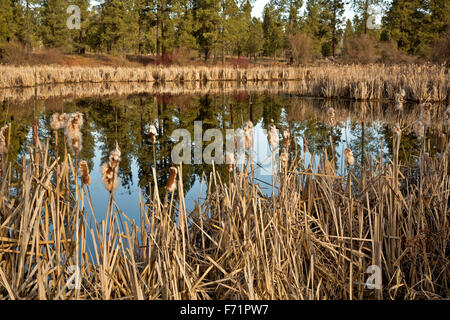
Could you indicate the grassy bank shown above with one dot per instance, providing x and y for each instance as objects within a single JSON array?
[
  {"x": 313, "y": 239},
  {"x": 369, "y": 82}
]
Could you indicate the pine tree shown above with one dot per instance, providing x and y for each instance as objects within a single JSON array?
[
  {"x": 206, "y": 13},
  {"x": 53, "y": 29},
  {"x": 6, "y": 20},
  {"x": 255, "y": 38},
  {"x": 273, "y": 30},
  {"x": 331, "y": 19},
  {"x": 405, "y": 21}
]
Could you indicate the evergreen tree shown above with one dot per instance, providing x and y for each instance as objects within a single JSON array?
[
  {"x": 405, "y": 22},
  {"x": 206, "y": 13},
  {"x": 53, "y": 29},
  {"x": 6, "y": 20},
  {"x": 255, "y": 38},
  {"x": 331, "y": 20},
  {"x": 273, "y": 30}
]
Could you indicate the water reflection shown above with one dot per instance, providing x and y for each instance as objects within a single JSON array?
[{"x": 364, "y": 128}]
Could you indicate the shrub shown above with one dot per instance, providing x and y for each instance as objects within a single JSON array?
[
  {"x": 441, "y": 49},
  {"x": 13, "y": 53},
  {"x": 360, "y": 49}
]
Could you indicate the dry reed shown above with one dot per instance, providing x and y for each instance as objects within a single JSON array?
[{"x": 314, "y": 239}]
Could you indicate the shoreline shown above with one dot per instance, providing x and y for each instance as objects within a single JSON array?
[{"x": 357, "y": 82}]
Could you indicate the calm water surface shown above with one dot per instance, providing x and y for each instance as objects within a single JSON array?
[{"x": 364, "y": 128}]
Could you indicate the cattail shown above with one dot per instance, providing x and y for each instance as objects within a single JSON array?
[
  {"x": 286, "y": 139},
  {"x": 274, "y": 140},
  {"x": 153, "y": 133},
  {"x": 331, "y": 113},
  {"x": 426, "y": 106},
  {"x": 447, "y": 117},
  {"x": 349, "y": 157},
  {"x": 426, "y": 118},
  {"x": 171, "y": 183},
  {"x": 400, "y": 99},
  {"x": 229, "y": 160},
  {"x": 396, "y": 129},
  {"x": 331, "y": 122},
  {"x": 84, "y": 171},
  {"x": 3, "y": 138},
  {"x": 249, "y": 124},
  {"x": 284, "y": 158},
  {"x": 75, "y": 141},
  {"x": 109, "y": 177},
  {"x": 74, "y": 122},
  {"x": 58, "y": 121},
  {"x": 248, "y": 137},
  {"x": 110, "y": 170},
  {"x": 72, "y": 131},
  {"x": 305, "y": 145},
  {"x": 114, "y": 156},
  {"x": 420, "y": 129}
]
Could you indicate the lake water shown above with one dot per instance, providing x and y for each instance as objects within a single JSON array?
[{"x": 364, "y": 128}]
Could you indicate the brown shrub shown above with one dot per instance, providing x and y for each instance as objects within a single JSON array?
[
  {"x": 14, "y": 53},
  {"x": 182, "y": 56},
  {"x": 390, "y": 54},
  {"x": 301, "y": 48},
  {"x": 360, "y": 49},
  {"x": 441, "y": 49}
]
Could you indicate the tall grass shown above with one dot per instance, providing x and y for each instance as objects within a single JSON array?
[
  {"x": 313, "y": 239},
  {"x": 362, "y": 82}
]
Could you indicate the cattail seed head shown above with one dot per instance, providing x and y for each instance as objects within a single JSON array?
[
  {"x": 84, "y": 172},
  {"x": 229, "y": 161},
  {"x": 110, "y": 170},
  {"x": 58, "y": 121},
  {"x": 75, "y": 141},
  {"x": 109, "y": 177},
  {"x": 248, "y": 137},
  {"x": 249, "y": 124},
  {"x": 72, "y": 130},
  {"x": 171, "y": 183},
  {"x": 426, "y": 106},
  {"x": 75, "y": 121},
  {"x": 3, "y": 140},
  {"x": 153, "y": 133},
  {"x": 426, "y": 118},
  {"x": 286, "y": 139},
  {"x": 284, "y": 158},
  {"x": 400, "y": 99},
  {"x": 349, "y": 157},
  {"x": 419, "y": 129},
  {"x": 331, "y": 113},
  {"x": 331, "y": 121},
  {"x": 447, "y": 117},
  {"x": 114, "y": 156},
  {"x": 273, "y": 138}
]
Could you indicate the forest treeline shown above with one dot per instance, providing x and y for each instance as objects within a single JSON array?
[{"x": 184, "y": 30}]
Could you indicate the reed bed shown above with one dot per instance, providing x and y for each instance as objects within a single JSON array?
[
  {"x": 312, "y": 239},
  {"x": 361, "y": 82}
]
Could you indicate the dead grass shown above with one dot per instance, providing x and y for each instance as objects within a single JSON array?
[
  {"x": 368, "y": 82},
  {"x": 314, "y": 239}
]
